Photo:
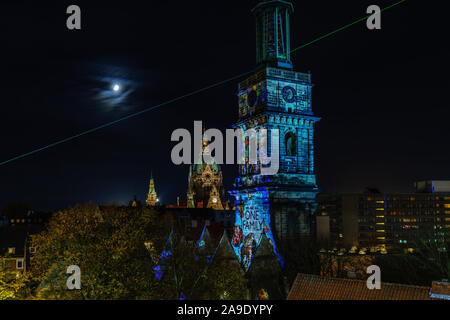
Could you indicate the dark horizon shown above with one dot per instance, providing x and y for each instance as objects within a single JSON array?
[{"x": 381, "y": 95}]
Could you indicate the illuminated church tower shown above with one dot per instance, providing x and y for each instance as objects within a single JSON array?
[
  {"x": 276, "y": 97},
  {"x": 205, "y": 186},
  {"x": 152, "y": 198}
]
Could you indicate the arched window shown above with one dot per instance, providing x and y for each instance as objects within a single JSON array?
[{"x": 291, "y": 144}]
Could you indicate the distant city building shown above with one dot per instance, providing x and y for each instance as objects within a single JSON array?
[
  {"x": 383, "y": 220},
  {"x": 152, "y": 197},
  {"x": 433, "y": 186},
  {"x": 15, "y": 250},
  {"x": 205, "y": 185}
]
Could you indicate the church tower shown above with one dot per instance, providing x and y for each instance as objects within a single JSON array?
[
  {"x": 205, "y": 186},
  {"x": 152, "y": 197},
  {"x": 276, "y": 97}
]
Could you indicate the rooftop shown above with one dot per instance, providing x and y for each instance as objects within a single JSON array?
[{"x": 313, "y": 287}]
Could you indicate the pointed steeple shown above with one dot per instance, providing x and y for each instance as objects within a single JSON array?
[
  {"x": 152, "y": 197},
  {"x": 190, "y": 192},
  {"x": 203, "y": 177},
  {"x": 214, "y": 201}
]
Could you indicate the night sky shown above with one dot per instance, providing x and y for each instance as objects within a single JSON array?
[{"x": 383, "y": 95}]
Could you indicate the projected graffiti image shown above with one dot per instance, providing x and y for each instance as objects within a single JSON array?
[{"x": 252, "y": 221}]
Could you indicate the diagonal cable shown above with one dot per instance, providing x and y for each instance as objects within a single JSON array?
[{"x": 133, "y": 115}]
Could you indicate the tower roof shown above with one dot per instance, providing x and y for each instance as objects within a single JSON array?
[
  {"x": 152, "y": 197},
  {"x": 273, "y": 32},
  {"x": 273, "y": 3}
]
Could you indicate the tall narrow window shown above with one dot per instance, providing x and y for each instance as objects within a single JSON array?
[{"x": 291, "y": 144}]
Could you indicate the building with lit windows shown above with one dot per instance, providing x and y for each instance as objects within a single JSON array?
[{"x": 374, "y": 219}]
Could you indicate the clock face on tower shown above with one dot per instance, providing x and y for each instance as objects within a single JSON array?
[{"x": 289, "y": 94}]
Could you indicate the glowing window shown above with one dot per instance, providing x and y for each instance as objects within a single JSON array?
[{"x": 19, "y": 264}]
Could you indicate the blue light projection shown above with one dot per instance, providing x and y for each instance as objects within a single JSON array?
[
  {"x": 201, "y": 243},
  {"x": 251, "y": 223},
  {"x": 160, "y": 268}
]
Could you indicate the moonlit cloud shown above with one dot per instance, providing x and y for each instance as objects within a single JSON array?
[{"x": 103, "y": 91}]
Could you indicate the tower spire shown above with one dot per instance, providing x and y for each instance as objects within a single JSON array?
[
  {"x": 273, "y": 33},
  {"x": 152, "y": 197}
]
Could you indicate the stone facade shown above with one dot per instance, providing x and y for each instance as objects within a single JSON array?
[
  {"x": 205, "y": 186},
  {"x": 278, "y": 98}
]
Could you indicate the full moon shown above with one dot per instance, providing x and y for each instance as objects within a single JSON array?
[{"x": 116, "y": 87}]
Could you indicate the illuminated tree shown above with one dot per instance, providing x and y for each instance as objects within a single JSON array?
[
  {"x": 118, "y": 250},
  {"x": 109, "y": 247},
  {"x": 200, "y": 274},
  {"x": 429, "y": 261}
]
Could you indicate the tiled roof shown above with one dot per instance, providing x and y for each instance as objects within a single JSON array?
[
  {"x": 313, "y": 287},
  {"x": 185, "y": 228}
]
